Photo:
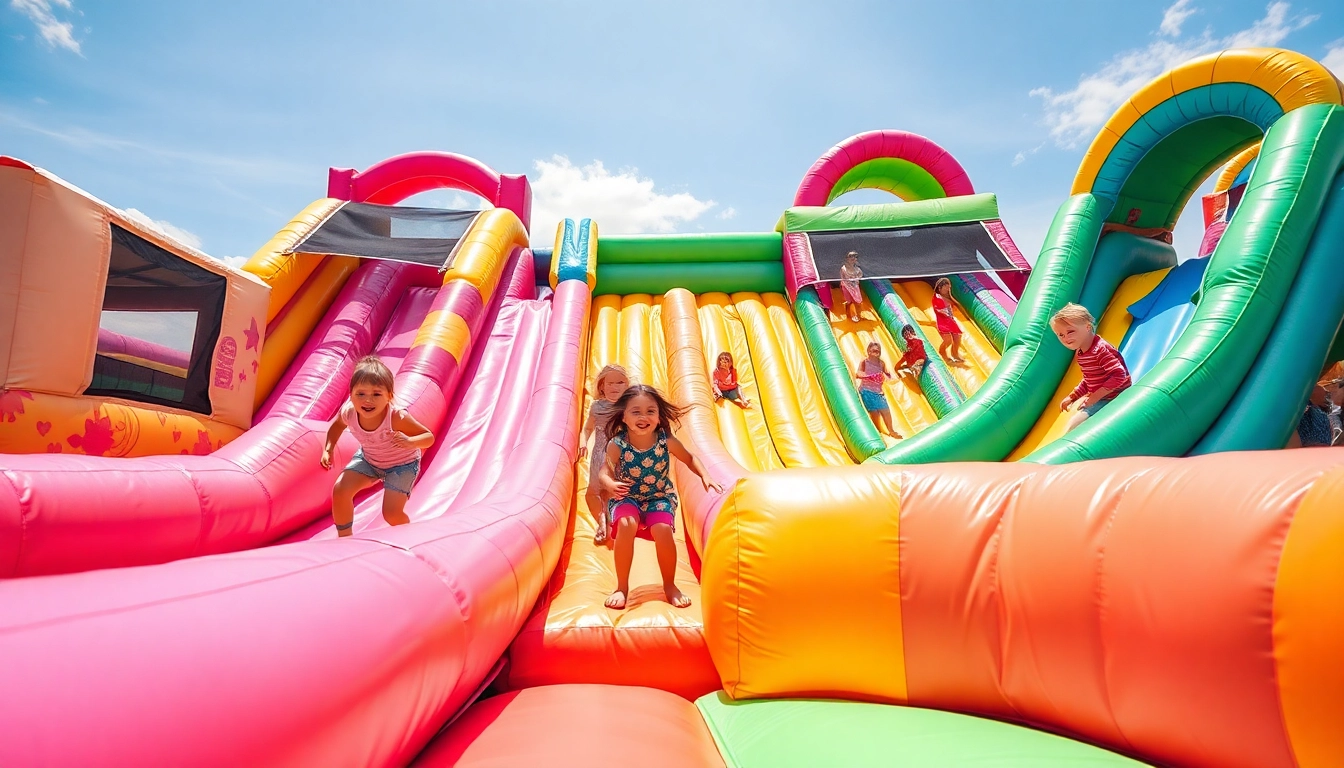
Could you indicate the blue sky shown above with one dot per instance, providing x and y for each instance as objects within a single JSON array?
[{"x": 220, "y": 120}]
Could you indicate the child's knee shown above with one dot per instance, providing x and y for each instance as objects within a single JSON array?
[{"x": 627, "y": 526}]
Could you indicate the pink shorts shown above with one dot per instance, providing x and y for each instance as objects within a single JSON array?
[{"x": 646, "y": 520}]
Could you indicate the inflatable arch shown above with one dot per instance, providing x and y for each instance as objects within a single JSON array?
[
  {"x": 1166, "y": 139},
  {"x": 397, "y": 178},
  {"x": 902, "y": 163}
]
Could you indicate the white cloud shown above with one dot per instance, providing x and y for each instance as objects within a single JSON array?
[
  {"x": 236, "y": 262},
  {"x": 728, "y": 213},
  {"x": 177, "y": 233},
  {"x": 1175, "y": 16},
  {"x": 55, "y": 33},
  {"x": 1334, "y": 58},
  {"x": 1075, "y": 115},
  {"x": 620, "y": 203},
  {"x": 1021, "y": 157}
]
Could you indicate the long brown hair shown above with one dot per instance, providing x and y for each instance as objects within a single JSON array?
[{"x": 668, "y": 414}]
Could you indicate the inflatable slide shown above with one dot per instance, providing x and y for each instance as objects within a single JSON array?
[{"x": 1124, "y": 609}]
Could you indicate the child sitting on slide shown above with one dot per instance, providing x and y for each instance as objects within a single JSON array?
[
  {"x": 390, "y": 443},
  {"x": 725, "y": 382},
  {"x": 915, "y": 357},
  {"x": 643, "y": 500},
  {"x": 611, "y": 382},
  {"x": 1105, "y": 374}
]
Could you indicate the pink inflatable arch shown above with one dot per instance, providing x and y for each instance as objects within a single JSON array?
[
  {"x": 397, "y": 178},
  {"x": 903, "y": 163}
]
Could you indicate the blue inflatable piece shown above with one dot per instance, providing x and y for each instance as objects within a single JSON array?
[{"x": 1161, "y": 316}]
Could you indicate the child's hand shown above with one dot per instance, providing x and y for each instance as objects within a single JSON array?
[
  {"x": 326, "y": 458},
  {"x": 710, "y": 485},
  {"x": 583, "y": 450},
  {"x": 400, "y": 440},
  {"x": 619, "y": 488},
  {"x": 1065, "y": 403}
]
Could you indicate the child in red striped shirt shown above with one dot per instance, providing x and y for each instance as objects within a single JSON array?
[{"x": 1105, "y": 374}]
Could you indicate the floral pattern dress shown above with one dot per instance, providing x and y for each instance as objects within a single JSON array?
[{"x": 650, "y": 487}]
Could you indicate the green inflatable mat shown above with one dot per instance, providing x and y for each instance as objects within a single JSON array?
[{"x": 780, "y": 733}]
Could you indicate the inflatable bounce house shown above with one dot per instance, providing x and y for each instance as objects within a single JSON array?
[{"x": 1163, "y": 585}]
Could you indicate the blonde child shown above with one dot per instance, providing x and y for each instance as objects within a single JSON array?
[
  {"x": 726, "y": 386},
  {"x": 643, "y": 501},
  {"x": 1105, "y": 374},
  {"x": 850, "y": 275},
  {"x": 871, "y": 372},
  {"x": 611, "y": 382},
  {"x": 390, "y": 445},
  {"x": 948, "y": 328}
]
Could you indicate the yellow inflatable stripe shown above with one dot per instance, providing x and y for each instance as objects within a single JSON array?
[
  {"x": 816, "y": 414},
  {"x": 721, "y": 331},
  {"x": 446, "y": 330},
  {"x": 483, "y": 252},
  {"x": 779, "y": 397},
  {"x": 284, "y": 272},
  {"x": 287, "y": 337}
]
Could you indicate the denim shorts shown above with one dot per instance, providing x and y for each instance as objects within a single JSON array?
[
  {"x": 730, "y": 394},
  {"x": 1091, "y": 410},
  {"x": 874, "y": 401},
  {"x": 399, "y": 478}
]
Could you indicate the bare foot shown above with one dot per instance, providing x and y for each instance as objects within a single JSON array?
[
  {"x": 600, "y": 537},
  {"x": 676, "y": 597},
  {"x": 747, "y": 405},
  {"x": 616, "y": 600}
]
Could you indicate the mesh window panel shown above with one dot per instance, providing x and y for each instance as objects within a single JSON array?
[
  {"x": 145, "y": 279},
  {"x": 389, "y": 232},
  {"x": 928, "y": 251}
]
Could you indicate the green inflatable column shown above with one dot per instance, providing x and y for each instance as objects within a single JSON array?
[
  {"x": 940, "y": 388},
  {"x": 837, "y": 382}
]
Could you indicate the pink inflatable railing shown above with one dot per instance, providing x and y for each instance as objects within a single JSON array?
[{"x": 397, "y": 178}]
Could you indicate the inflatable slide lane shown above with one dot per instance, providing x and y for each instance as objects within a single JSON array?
[{"x": 325, "y": 312}]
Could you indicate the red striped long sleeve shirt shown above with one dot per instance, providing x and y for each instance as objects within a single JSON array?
[{"x": 1103, "y": 368}]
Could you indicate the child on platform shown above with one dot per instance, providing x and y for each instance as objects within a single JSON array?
[
  {"x": 850, "y": 275},
  {"x": 871, "y": 372},
  {"x": 915, "y": 357},
  {"x": 643, "y": 501},
  {"x": 390, "y": 444},
  {"x": 726, "y": 386},
  {"x": 1105, "y": 374},
  {"x": 948, "y": 328},
  {"x": 611, "y": 382}
]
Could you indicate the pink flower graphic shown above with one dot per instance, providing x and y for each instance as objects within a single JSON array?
[
  {"x": 11, "y": 404},
  {"x": 97, "y": 437}
]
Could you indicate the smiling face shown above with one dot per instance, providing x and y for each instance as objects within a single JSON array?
[
  {"x": 370, "y": 400},
  {"x": 851, "y": 260},
  {"x": 725, "y": 362},
  {"x": 641, "y": 416},
  {"x": 874, "y": 351},
  {"x": 1073, "y": 336},
  {"x": 908, "y": 333},
  {"x": 613, "y": 385}
]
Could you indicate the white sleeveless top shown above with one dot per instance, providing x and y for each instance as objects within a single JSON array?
[{"x": 377, "y": 443}]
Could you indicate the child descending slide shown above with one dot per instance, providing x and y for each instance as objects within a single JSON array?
[
  {"x": 915, "y": 357},
  {"x": 1104, "y": 372},
  {"x": 948, "y": 327},
  {"x": 850, "y": 275},
  {"x": 611, "y": 382},
  {"x": 725, "y": 382},
  {"x": 643, "y": 502},
  {"x": 390, "y": 444},
  {"x": 871, "y": 372}
]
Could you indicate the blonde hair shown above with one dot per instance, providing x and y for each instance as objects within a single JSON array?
[
  {"x": 939, "y": 283},
  {"x": 1073, "y": 314},
  {"x": 607, "y": 370},
  {"x": 852, "y": 255},
  {"x": 373, "y": 372}
]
